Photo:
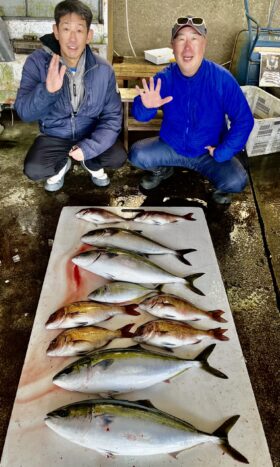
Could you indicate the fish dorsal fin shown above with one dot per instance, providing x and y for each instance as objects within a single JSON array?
[
  {"x": 136, "y": 347},
  {"x": 146, "y": 403}
]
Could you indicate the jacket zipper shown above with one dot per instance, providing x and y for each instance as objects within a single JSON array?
[
  {"x": 73, "y": 124},
  {"x": 188, "y": 122},
  {"x": 73, "y": 114},
  {"x": 84, "y": 98}
]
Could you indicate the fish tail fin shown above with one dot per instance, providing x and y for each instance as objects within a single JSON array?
[
  {"x": 132, "y": 310},
  {"x": 180, "y": 255},
  {"x": 216, "y": 316},
  {"x": 218, "y": 333},
  {"x": 189, "y": 217},
  {"x": 222, "y": 433},
  {"x": 203, "y": 357},
  {"x": 190, "y": 279},
  {"x": 125, "y": 330}
]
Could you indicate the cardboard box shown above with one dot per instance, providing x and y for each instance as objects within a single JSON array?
[
  {"x": 159, "y": 56},
  {"x": 265, "y": 136}
]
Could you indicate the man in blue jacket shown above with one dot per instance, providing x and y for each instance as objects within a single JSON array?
[
  {"x": 72, "y": 92},
  {"x": 197, "y": 97}
]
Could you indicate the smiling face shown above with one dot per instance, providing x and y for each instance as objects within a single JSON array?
[
  {"x": 189, "y": 48},
  {"x": 72, "y": 35}
]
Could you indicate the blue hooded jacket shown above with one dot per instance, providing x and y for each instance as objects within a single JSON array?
[
  {"x": 96, "y": 124},
  {"x": 196, "y": 117}
]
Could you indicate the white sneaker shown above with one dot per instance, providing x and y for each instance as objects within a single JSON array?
[
  {"x": 56, "y": 182},
  {"x": 98, "y": 177}
]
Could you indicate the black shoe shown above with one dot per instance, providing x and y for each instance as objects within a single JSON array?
[
  {"x": 153, "y": 179},
  {"x": 221, "y": 198}
]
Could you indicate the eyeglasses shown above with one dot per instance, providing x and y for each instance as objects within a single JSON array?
[{"x": 195, "y": 21}]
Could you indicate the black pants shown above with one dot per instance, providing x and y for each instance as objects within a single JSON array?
[{"x": 48, "y": 155}]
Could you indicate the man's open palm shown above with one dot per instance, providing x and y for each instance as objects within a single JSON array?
[
  {"x": 55, "y": 75},
  {"x": 150, "y": 96}
]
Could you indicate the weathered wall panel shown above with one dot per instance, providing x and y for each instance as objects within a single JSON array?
[
  {"x": 39, "y": 8},
  {"x": 150, "y": 23}
]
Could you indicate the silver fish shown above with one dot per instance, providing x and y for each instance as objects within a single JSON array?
[
  {"x": 106, "y": 371},
  {"x": 121, "y": 292},
  {"x": 172, "y": 307},
  {"x": 169, "y": 334},
  {"x": 80, "y": 341},
  {"x": 117, "y": 427},
  {"x": 122, "y": 265},
  {"x": 98, "y": 216},
  {"x": 84, "y": 314},
  {"x": 161, "y": 217},
  {"x": 114, "y": 237}
]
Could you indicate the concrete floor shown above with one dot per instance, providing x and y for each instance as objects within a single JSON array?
[{"x": 245, "y": 238}]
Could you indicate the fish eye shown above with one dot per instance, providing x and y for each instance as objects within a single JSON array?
[{"x": 62, "y": 413}]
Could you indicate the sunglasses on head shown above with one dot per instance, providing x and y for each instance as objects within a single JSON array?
[{"x": 195, "y": 21}]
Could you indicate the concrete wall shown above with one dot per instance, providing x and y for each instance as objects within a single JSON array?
[{"x": 150, "y": 23}]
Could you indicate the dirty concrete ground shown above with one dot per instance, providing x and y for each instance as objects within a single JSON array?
[{"x": 245, "y": 238}]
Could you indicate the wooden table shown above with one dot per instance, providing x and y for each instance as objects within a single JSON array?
[
  {"x": 134, "y": 68},
  {"x": 129, "y": 123}
]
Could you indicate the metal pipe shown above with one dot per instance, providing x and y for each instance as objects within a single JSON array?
[
  {"x": 100, "y": 12},
  {"x": 272, "y": 11}
]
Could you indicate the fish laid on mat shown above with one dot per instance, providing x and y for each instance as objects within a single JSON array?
[
  {"x": 80, "y": 341},
  {"x": 85, "y": 314},
  {"x": 171, "y": 307},
  {"x": 98, "y": 216},
  {"x": 114, "y": 371},
  {"x": 117, "y": 427},
  {"x": 122, "y": 265},
  {"x": 161, "y": 217},
  {"x": 130, "y": 240},
  {"x": 121, "y": 292},
  {"x": 169, "y": 334}
]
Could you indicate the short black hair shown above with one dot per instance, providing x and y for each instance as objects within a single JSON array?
[{"x": 73, "y": 6}]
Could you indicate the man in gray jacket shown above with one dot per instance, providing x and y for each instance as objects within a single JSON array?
[{"x": 72, "y": 92}]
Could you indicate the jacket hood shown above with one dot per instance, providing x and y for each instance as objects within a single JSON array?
[{"x": 50, "y": 41}]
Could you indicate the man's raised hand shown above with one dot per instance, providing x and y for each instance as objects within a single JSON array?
[
  {"x": 55, "y": 75},
  {"x": 150, "y": 96}
]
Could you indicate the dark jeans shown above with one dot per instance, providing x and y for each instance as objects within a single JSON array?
[
  {"x": 48, "y": 155},
  {"x": 151, "y": 153}
]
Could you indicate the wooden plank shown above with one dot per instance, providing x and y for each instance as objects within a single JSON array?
[
  {"x": 152, "y": 125},
  {"x": 133, "y": 68},
  {"x": 110, "y": 25},
  {"x": 129, "y": 123},
  {"x": 128, "y": 94}
]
